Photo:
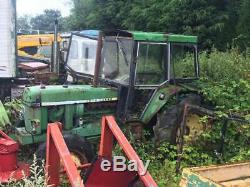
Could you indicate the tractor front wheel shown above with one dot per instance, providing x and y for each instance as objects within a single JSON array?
[{"x": 80, "y": 149}]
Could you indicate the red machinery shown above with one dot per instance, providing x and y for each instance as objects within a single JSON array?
[
  {"x": 10, "y": 169},
  {"x": 57, "y": 150}
]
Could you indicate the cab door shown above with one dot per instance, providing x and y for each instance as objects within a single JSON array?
[{"x": 151, "y": 71}]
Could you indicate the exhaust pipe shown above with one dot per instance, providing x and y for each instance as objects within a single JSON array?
[{"x": 55, "y": 51}]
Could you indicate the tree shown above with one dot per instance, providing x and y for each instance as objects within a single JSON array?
[
  {"x": 46, "y": 20},
  {"x": 81, "y": 9},
  {"x": 23, "y": 23},
  {"x": 204, "y": 18},
  {"x": 226, "y": 37},
  {"x": 243, "y": 27},
  {"x": 213, "y": 21}
]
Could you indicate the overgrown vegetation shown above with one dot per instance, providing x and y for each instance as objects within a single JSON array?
[
  {"x": 14, "y": 110},
  {"x": 225, "y": 80}
]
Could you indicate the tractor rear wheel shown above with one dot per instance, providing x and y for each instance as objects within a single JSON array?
[
  {"x": 168, "y": 121},
  {"x": 81, "y": 150}
]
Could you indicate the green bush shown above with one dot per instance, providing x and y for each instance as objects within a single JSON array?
[{"x": 226, "y": 78}]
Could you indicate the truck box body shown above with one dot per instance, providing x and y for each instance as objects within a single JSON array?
[{"x": 7, "y": 38}]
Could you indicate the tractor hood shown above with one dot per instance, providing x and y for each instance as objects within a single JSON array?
[{"x": 61, "y": 95}]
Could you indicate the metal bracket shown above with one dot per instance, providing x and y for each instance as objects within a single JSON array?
[{"x": 57, "y": 150}]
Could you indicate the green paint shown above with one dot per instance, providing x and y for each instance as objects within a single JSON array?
[
  {"x": 157, "y": 102},
  {"x": 90, "y": 131},
  {"x": 67, "y": 105},
  {"x": 49, "y": 95},
  {"x": 195, "y": 180},
  {"x": 162, "y": 37},
  {"x": 176, "y": 38},
  {"x": 24, "y": 138},
  {"x": 69, "y": 117}
]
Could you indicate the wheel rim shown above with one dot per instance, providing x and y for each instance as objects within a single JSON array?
[
  {"x": 79, "y": 160},
  {"x": 194, "y": 128},
  {"x": 76, "y": 159},
  {"x": 195, "y": 125}
]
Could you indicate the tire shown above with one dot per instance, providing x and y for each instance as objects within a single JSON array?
[
  {"x": 76, "y": 144},
  {"x": 168, "y": 121}
]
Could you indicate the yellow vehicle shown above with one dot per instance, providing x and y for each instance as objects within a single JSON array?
[{"x": 37, "y": 45}]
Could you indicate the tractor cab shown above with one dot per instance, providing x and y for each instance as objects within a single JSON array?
[
  {"x": 148, "y": 59},
  {"x": 139, "y": 65},
  {"x": 81, "y": 56}
]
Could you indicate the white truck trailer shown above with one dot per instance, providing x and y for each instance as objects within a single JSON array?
[{"x": 7, "y": 45}]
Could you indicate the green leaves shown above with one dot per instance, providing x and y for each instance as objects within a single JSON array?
[
  {"x": 210, "y": 20},
  {"x": 14, "y": 110},
  {"x": 46, "y": 20},
  {"x": 243, "y": 26},
  {"x": 225, "y": 82}
]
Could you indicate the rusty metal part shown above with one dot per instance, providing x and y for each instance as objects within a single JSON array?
[
  {"x": 194, "y": 127},
  {"x": 100, "y": 105},
  {"x": 98, "y": 59},
  {"x": 180, "y": 141},
  {"x": 201, "y": 111},
  {"x": 83, "y": 166},
  {"x": 54, "y": 66},
  {"x": 136, "y": 128},
  {"x": 32, "y": 66}
]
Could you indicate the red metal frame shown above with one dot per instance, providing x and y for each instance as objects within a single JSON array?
[
  {"x": 110, "y": 129},
  {"x": 57, "y": 150}
]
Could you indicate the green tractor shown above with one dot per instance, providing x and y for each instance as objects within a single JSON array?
[{"x": 135, "y": 77}]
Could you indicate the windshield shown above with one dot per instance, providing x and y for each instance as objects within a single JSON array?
[
  {"x": 82, "y": 55},
  {"x": 116, "y": 59},
  {"x": 183, "y": 61}
]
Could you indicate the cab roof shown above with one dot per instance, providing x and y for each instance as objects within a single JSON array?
[
  {"x": 90, "y": 33},
  {"x": 155, "y": 36}
]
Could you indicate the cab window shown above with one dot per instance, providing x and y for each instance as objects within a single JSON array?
[
  {"x": 182, "y": 61},
  {"x": 150, "y": 68},
  {"x": 73, "y": 54},
  {"x": 82, "y": 55}
]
